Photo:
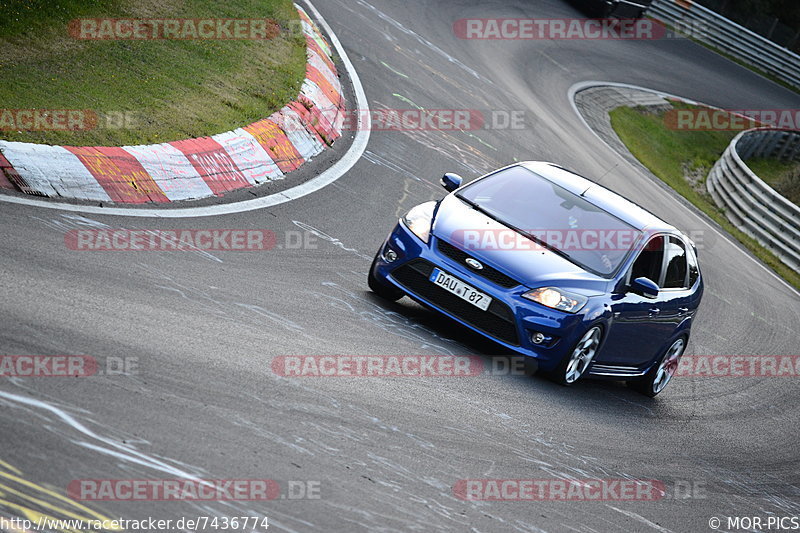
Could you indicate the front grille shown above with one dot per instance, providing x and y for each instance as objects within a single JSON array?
[
  {"x": 497, "y": 321},
  {"x": 495, "y": 276}
]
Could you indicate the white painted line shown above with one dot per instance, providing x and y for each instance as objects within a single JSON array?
[
  {"x": 325, "y": 178},
  {"x": 587, "y": 84},
  {"x": 107, "y": 446}
]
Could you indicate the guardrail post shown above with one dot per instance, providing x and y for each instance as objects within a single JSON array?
[{"x": 749, "y": 203}]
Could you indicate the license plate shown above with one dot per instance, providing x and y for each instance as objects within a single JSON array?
[{"x": 460, "y": 289}]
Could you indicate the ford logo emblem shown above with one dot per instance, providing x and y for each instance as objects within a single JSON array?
[{"x": 474, "y": 263}]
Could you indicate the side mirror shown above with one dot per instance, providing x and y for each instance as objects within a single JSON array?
[
  {"x": 451, "y": 181},
  {"x": 645, "y": 287}
]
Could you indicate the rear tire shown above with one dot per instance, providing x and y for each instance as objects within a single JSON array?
[
  {"x": 657, "y": 379},
  {"x": 376, "y": 286}
]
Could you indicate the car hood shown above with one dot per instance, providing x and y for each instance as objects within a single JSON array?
[{"x": 462, "y": 226}]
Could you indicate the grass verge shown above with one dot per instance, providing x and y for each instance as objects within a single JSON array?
[
  {"x": 783, "y": 176},
  {"x": 145, "y": 91},
  {"x": 682, "y": 159}
]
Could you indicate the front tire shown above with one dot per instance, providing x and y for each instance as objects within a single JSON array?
[
  {"x": 574, "y": 365},
  {"x": 384, "y": 291},
  {"x": 657, "y": 379}
]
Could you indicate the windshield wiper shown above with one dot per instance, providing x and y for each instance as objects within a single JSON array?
[
  {"x": 534, "y": 238},
  {"x": 545, "y": 244},
  {"x": 479, "y": 209}
]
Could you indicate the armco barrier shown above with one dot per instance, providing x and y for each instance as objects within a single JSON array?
[
  {"x": 714, "y": 29},
  {"x": 752, "y": 205}
]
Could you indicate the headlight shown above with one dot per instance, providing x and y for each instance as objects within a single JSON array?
[
  {"x": 419, "y": 220},
  {"x": 557, "y": 299}
]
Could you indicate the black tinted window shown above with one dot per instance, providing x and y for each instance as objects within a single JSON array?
[
  {"x": 648, "y": 264},
  {"x": 675, "y": 277},
  {"x": 591, "y": 237},
  {"x": 694, "y": 270}
]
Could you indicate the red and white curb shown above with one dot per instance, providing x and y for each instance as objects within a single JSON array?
[{"x": 193, "y": 168}]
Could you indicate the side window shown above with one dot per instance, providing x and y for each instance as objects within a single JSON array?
[
  {"x": 675, "y": 276},
  {"x": 694, "y": 270},
  {"x": 648, "y": 264}
]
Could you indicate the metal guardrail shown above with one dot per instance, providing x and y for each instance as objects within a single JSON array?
[
  {"x": 712, "y": 28},
  {"x": 752, "y": 205}
]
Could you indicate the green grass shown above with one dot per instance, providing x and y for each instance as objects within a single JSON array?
[
  {"x": 782, "y": 176},
  {"x": 171, "y": 89},
  {"x": 672, "y": 154}
]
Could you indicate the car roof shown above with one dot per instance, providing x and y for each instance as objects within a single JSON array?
[{"x": 604, "y": 198}]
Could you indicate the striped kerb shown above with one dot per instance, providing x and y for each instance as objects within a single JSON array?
[{"x": 120, "y": 174}]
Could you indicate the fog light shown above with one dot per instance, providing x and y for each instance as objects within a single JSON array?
[
  {"x": 390, "y": 255},
  {"x": 538, "y": 338}
]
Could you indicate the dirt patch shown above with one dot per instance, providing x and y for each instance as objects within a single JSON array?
[{"x": 695, "y": 176}]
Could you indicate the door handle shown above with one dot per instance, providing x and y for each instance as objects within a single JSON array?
[
  {"x": 683, "y": 310},
  {"x": 654, "y": 310}
]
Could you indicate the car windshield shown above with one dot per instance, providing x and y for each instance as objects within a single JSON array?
[{"x": 554, "y": 217}]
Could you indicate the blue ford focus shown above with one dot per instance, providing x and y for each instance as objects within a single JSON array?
[{"x": 552, "y": 266}]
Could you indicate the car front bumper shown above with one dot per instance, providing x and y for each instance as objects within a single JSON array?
[{"x": 510, "y": 320}]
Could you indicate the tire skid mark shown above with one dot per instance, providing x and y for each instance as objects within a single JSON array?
[
  {"x": 73, "y": 222},
  {"x": 333, "y": 240},
  {"x": 390, "y": 321},
  {"x": 240, "y": 313},
  {"x": 77, "y": 432},
  {"x": 451, "y": 147},
  {"x": 421, "y": 40}
]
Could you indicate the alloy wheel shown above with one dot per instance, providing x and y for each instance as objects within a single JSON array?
[{"x": 582, "y": 355}]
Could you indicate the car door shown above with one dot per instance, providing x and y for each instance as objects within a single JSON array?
[
  {"x": 640, "y": 326},
  {"x": 675, "y": 284}
]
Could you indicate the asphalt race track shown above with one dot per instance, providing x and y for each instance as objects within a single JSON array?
[{"x": 386, "y": 453}]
